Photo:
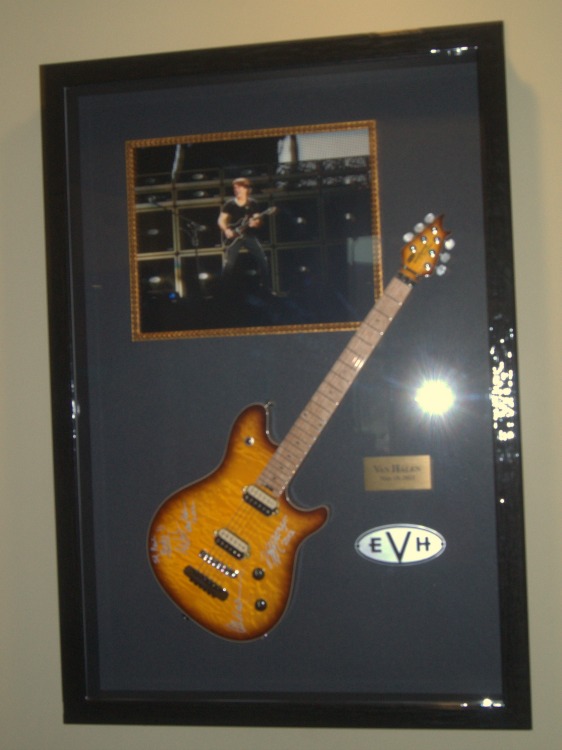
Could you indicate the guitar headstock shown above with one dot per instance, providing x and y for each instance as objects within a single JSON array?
[{"x": 426, "y": 249}]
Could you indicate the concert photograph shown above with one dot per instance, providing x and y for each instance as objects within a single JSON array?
[{"x": 255, "y": 230}]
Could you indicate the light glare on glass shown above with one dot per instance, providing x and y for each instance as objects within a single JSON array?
[{"x": 435, "y": 397}]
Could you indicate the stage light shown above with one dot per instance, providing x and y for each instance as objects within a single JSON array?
[{"x": 435, "y": 397}]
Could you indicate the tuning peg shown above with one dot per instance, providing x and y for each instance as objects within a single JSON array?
[
  {"x": 440, "y": 270},
  {"x": 445, "y": 257},
  {"x": 408, "y": 237},
  {"x": 419, "y": 227},
  {"x": 449, "y": 243},
  {"x": 429, "y": 218}
]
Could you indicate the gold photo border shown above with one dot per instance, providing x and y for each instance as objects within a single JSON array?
[{"x": 131, "y": 148}]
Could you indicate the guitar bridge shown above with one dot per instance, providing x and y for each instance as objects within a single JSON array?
[
  {"x": 205, "y": 583},
  {"x": 260, "y": 500},
  {"x": 218, "y": 565}
]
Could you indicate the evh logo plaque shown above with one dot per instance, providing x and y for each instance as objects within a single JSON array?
[{"x": 401, "y": 544}]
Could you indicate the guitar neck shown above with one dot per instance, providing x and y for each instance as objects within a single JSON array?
[{"x": 292, "y": 451}]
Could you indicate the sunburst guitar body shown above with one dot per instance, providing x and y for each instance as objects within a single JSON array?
[{"x": 224, "y": 548}]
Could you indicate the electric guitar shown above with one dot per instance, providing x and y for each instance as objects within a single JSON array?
[
  {"x": 241, "y": 227},
  {"x": 224, "y": 548}
]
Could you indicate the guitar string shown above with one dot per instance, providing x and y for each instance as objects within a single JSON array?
[
  {"x": 358, "y": 350},
  {"x": 326, "y": 398},
  {"x": 244, "y": 514}
]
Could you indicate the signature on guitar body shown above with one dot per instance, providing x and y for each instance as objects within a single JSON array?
[{"x": 224, "y": 549}]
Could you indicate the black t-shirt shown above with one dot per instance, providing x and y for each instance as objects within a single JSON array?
[{"x": 240, "y": 214}]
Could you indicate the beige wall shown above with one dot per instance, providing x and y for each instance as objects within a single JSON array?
[{"x": 44, "y": 31}]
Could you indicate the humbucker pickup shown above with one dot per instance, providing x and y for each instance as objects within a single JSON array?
[
  {"x": 260, "y": 500},
  {"x": 235, "y": 546},
  {"x": 205, "y": 583}
]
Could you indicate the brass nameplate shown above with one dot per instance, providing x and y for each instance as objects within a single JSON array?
[{"x": 383, "y": 473}]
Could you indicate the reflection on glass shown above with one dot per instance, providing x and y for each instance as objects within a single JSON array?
[
  {"x": 502, "y": 394},
  {"x": 435, "y": 397}
]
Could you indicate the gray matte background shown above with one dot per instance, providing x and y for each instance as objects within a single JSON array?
[{"x": 160, "y": 412}]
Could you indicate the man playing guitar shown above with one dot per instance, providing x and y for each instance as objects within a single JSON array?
[{"x": 239, "y": 221}]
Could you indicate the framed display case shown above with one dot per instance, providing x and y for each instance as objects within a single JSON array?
[{"x": 261, "y": 520}]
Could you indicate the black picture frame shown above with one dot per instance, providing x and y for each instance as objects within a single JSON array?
[{"x": 439, "y": 645}]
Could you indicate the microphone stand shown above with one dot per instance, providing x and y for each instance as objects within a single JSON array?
[{"x": 188, "y": 227}]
